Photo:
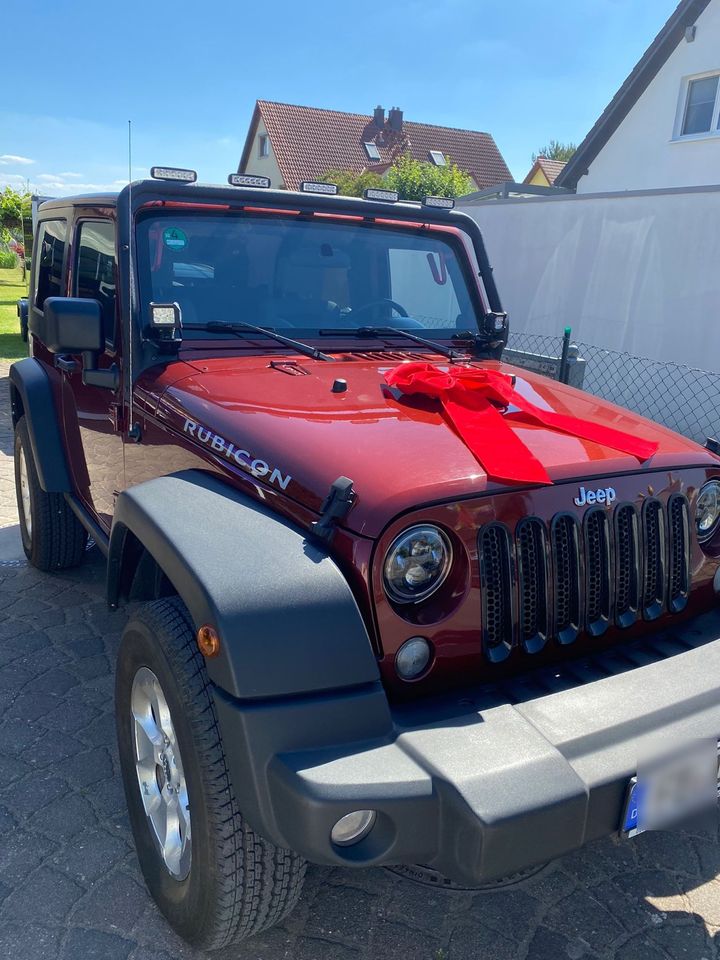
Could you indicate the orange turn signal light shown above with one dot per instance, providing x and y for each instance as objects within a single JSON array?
[{"x": 208, "y": 641}]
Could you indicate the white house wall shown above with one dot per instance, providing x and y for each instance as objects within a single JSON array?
[
  {"x": 643, "y": 152},
  {"x": 264, "y": 166},
  {"x": 629, "y": 272}
]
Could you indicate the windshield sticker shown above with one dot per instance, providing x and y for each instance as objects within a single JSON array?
[
  {"x": 174, "y": 238},
  {"x": 221, "y": 447}
]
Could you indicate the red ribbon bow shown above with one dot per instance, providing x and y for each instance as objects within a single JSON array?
[{"x": 472, "y": 400}]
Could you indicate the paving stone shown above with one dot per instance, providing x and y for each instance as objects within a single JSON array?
[
  {"x": 46, "y": 887},
  {"x": 95, "y": 945},
  {"x": 29, "y": 941},
  {"x": 33, "y": 793},
  {"x": 682, "y": 941},
  {"x": 64, "y": 819},
  {"x": 342, "y": 913},
  {"x": 114, "y": 902},
  {"x": 312, "y": 949},
  {"x": 91, "y": 855},
  {"x": 580, "y": 916}
]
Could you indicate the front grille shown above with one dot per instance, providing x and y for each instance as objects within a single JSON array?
[{"x": 543, "y": 585}]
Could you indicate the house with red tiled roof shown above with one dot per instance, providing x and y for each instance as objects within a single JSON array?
[
  {"x": 289, "y": 143},
  {"x": 544, "y": 172}
]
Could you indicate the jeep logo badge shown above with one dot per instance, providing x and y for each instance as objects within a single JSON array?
[{"x": 603, "y": 495}]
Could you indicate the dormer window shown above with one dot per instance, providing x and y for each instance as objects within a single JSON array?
[
  {"x": 263, "y": 145},
  {"x": 438, "y": 158},
  {"x": 702, "y": 106},
  {"x": 372, "y": 151}
]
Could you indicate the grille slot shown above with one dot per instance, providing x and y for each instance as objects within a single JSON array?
[
  {"x": 679, "y": 569},
  {"x": 627, "y": 565},
  {"x": 653, "y": 523},
  {"x": 565, "y": 538},
  {"x": 597, "y": 571},
  {"x": 496, "y": 580},
  {"x": 532, "y": 584}
]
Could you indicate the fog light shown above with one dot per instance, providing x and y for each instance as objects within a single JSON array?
[
  {"x": 353, "y": 827},
  {"x": 412, "y": 658}
]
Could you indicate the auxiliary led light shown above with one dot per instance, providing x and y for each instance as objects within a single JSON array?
[
  {"x": 315, "y": 186},
  {"x": 248, "y": 180},
  {"x": 173, "y": 173},
  {"x": 385, "y": 196}
]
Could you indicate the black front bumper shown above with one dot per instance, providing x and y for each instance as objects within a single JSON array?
[{"x": 477, "y": 786}]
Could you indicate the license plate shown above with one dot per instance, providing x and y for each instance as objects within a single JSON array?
[{"x": 670, "y": 788}]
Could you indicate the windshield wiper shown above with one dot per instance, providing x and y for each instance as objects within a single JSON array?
[
  {"x": 397, "y": 332},
  {"x": 237, "y": 328}
]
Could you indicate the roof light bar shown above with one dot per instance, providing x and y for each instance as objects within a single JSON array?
[
  {"x": 317, "y": 186},
  {"x": 173, "y": 173},
  {"x": 248, "y": 180},
  {"x": 442, "y": 203},
  {"x": 386, "y": 196}
]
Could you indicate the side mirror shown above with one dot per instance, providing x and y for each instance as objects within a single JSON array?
[
  {"x": 72, "y": 325},
  {"x": 75, "y": 325}
]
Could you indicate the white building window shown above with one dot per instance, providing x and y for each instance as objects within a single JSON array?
[
  {"x": 438, "y": 158},
  {"x": 701, "y": 114},
  {"x": 263, "y": 145}
]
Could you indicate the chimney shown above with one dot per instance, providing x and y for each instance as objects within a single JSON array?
[
  {"x": 379, "y": 116},
  {"x": 395, "y": 116}
]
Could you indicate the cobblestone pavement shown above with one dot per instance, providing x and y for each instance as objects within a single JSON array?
[{"x": 69, "y": 882}]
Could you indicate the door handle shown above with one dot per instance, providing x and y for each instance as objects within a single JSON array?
[{"x": 66, "y": 364}]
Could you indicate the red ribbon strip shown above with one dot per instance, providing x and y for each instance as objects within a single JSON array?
[{"x": 473, "y": 400}]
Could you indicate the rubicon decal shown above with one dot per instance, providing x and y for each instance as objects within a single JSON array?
[
  {"x": 243, "y": 458},
  {"x": 603, "y": 495}
]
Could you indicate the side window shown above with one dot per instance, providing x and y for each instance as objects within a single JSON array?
[
  {"x": 96, "y": 272},
  {"x": 51, "y": 241}
]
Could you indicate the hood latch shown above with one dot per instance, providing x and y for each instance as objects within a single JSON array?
[{"x": 336, "y": 506}]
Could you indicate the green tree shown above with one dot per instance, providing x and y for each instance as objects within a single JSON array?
[
  {"x": 353, "y": 184},
  {"x": 415, "y": 179},
  {"x": 14, "y": 208},
  {"x": 555, "y": 150}
]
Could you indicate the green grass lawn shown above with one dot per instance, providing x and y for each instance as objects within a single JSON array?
[{"x": 12, "y": 287}]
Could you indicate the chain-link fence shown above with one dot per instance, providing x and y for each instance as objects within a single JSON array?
[{"x": 682, "y": 398}]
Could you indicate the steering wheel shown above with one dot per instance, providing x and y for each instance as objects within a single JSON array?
[{"x": 398, "y": 307}]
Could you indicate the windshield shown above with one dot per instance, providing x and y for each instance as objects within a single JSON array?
[{"x": 306, "y": 276}]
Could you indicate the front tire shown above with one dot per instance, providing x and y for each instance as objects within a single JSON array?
[
  {"x": 52, "y": 536},
  {"x": 215, "y": 880}
]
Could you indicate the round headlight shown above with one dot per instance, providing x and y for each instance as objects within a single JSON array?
[
  {"x": 707, "y": 510},
  {"x": 416, "y": 564}
]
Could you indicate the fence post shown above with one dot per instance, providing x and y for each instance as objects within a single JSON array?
[{"x": 564, "y": 367}]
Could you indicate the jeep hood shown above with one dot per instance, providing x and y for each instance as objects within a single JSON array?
[{"x": 302, "y": 434}]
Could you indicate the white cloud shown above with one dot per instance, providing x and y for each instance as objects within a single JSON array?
[
  {"x": 70, "y": 175},
  {"x": 50, "y": 176},
  {"x": 8, "y": 158}
]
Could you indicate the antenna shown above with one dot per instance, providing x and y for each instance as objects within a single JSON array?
[{"x": 133, "y": 433}]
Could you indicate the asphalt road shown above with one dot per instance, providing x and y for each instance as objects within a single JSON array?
[{"x": 69, "y": 882}]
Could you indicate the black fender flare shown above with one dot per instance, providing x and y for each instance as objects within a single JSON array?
[
  {"x": 31, "y": 395},
  {"x": 287, "y": 619}
]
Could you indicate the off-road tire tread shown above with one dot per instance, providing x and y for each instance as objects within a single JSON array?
[
  {"x": 58, "y": 539},
  {"x": 259, "y": 882}
]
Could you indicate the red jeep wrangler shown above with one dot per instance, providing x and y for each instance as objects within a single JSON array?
[{"x": 397, "y": 602}]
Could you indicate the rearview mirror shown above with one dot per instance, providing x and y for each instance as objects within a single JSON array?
[{"x": 72, "y": 325}]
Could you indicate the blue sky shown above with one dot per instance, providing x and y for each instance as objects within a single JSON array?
[{"x": 188, "y": 73}]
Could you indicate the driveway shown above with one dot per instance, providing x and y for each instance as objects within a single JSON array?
[{"x": 69, "y": 882}]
